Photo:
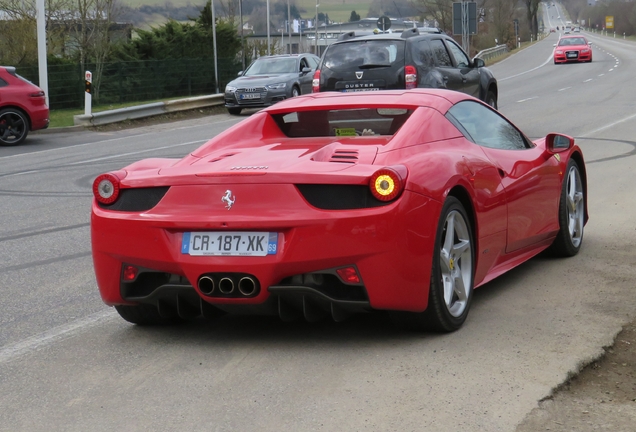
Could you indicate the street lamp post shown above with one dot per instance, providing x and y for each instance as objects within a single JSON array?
[{"x": 316, "y": 27}]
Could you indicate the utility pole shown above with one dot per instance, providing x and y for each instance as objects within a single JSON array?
[{"x": 42, "y": 62}]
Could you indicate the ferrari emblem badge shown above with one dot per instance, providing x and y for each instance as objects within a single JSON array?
[
  {"x": 228, "y": 199},
  {"x": 557, "y": 157},
  {"x": 359, "y": 74},
  {"x": 451, "y": 263}
]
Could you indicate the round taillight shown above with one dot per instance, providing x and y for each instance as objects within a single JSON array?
[
  {"x": 386, "y": 184},
  {"x": 106, "y": 188}
]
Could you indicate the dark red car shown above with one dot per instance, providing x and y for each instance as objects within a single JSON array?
[
  {"x": 22, "y": 107},
  {"x": 333, "y": 203},
  {"x": 572, "y": 48}
]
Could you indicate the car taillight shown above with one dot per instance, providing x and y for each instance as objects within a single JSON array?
[
  {"x": 386, "y": 184},
  {"x": 410, "y": 77},
  {"x": 315, "y": 84},
  {"x": 106, "y": 188},
  {"x": 37, "y": 94}
]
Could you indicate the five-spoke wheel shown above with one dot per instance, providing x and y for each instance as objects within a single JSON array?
[{"x": 14, "y": 127}]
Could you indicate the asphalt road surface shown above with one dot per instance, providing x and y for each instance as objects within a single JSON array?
[{"x": 67, "y": 362}]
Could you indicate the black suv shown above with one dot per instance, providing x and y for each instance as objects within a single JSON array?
[{"x": 402, "y": 61}]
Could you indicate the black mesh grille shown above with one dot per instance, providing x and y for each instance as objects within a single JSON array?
[
  {"x": 339, "y": 197},
  {"x": 138, "y": 199}
]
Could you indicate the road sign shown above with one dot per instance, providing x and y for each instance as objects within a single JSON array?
[
  {"x": 459, "y": 20},
  {"x": 384, "y": 23},
  {"x": 609, "y": 22}
]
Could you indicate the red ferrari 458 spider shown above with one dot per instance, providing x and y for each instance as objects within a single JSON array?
[
  {"x": 572, "y": 49},
  {"x": 328, "y": 204}
]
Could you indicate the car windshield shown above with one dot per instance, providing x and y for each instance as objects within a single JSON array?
[
  {"x": 364, "y": 54},
  {"x": 572, "y": 41},
  {"x": 266, "y": 66},
  {"x": 342, "y": 122}
]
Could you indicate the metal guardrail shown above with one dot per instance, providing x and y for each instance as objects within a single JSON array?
[
  {"x": 148, "y": 110},
  {"x": 490, "y": 53}
]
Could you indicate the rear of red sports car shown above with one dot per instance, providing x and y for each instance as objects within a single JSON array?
[{"x": 281, "y": 215}]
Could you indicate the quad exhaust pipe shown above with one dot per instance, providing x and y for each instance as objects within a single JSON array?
[{"x": 227, "y": 285}]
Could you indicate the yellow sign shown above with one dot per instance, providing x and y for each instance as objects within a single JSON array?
[{"x": 609, "y": 22}]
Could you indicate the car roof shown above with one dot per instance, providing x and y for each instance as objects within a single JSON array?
[
  {"x": 406, "y": 34},
  {"x": 440, "y": 99},
  {"x": 285, "y": 56}
]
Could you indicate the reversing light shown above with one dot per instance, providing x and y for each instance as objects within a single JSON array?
[
  {"x": 106, "y": 188},
  {"x": 315, "y": 84},
  {"x": 386, "y": 184},
  {"x": 130, "y": 273},
  {"x": 349, "y": 274}
]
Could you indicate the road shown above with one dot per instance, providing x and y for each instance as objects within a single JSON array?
[{"x": 67, "y": 362}]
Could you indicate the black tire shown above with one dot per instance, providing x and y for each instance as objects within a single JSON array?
[
  {"x": 144, "y": 314},
  {"x": 295, "y": 92},
  {"x": 14, "y": 127},
  {"x": 491, "y": 99},
  {"x": 571, "y": 214},
  {"x": 234, "y": 111},
  {"x": 443, "y": 316}
]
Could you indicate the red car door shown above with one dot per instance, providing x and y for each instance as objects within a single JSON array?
[{"x": 532, "y": 182}]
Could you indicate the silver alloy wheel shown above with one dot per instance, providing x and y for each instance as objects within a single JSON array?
[
  {"x": 295, "y": 92},
  {"x": 456, "y": 263},
  {"x": 575, "y": 206}
]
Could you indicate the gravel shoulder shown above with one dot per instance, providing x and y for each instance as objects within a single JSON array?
[{"x": 602, "y": 397}]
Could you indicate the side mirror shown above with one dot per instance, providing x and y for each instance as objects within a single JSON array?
[
  {"x": 240, "y": 73},
  {"x": 554, "y": 45},
  {"x": 557, "y": 143},
  {"x": 478, "y": 63},
  {"x": 589, "y": 43},
  {"x": 306, "y": 70}
]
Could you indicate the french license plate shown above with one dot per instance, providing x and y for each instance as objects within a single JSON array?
[
  {"x": 250, "y": 96},
  {"x": 229, "y": 243},
  {"x": 572, "y": 55}
]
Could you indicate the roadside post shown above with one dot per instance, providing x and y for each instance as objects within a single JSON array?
[{"x": 88, "y": 92}]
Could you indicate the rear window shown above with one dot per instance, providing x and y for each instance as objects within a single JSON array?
[
  {"x": 348, "y": 122},
  {"x": 364, "y": 54}
]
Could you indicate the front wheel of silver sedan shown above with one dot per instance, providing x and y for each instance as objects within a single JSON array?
[
  {"x": 295, "y": 92},
  {"x": 571, "y": 214}
]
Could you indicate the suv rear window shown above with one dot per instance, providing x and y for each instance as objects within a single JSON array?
[
  {"x": 365, "y": 54},
  {"x": 348, "y": 122}
]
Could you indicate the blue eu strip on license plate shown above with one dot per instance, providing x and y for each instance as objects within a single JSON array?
[{"x": 227, "y": 243}]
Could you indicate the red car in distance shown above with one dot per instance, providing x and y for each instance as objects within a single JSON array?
[
  {"x": 22, "y": 107},
  {"x": 572, "y": 48},
  {"x": 333, "y": 203}
]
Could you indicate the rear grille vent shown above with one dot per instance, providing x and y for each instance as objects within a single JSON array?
[
  {"x": 137, "y": 199},
  {"x": 344, "y": 156},
  {"x": 339, "y": 197}
]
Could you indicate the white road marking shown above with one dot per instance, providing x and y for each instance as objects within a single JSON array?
[
  {"x": 11, "y": 351},
  {"x": 588, "y": 80},
  {"x": 609, "y": 125},
  {"x": 601, "y": 74},
  {"x": 137, "y": 152},
  {"x": 108, "y": 140},
  {"x": 565, "y": 88},
  {"x": 524, "y": 100},
  {"x": 611, "y": 70},
  {"x": 533, "y": 69}
]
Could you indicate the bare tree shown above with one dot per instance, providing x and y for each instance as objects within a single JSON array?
[
  {"x": 439, "y": 10},
  {"x": 502, "y": 13},
  {"x": 532, "y": 7}
]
